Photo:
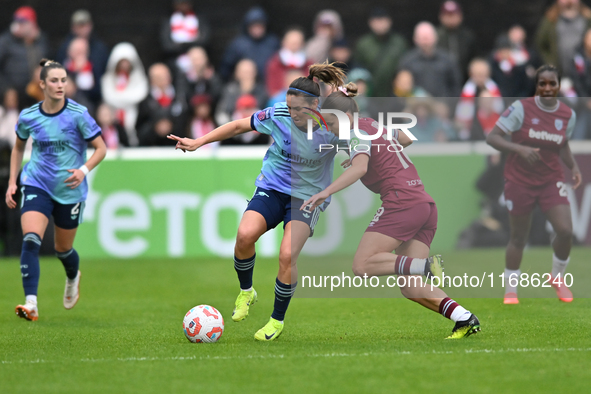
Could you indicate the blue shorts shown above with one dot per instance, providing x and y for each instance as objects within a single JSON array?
[
  {"x": 66, "y": 216},
  {"x": 276, "y": 207}
]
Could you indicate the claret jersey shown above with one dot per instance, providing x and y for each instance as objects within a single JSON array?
[
  {"x": 390, "y": 172},
  {"x": 532, "y": 124}
]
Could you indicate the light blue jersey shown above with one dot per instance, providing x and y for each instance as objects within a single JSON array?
[
  {"x": 294, "y": 165},
  {"x": 59, "y": 145}
]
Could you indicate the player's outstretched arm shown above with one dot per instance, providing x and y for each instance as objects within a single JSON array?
[
  {"x": 353, "y": 174},
  {"x": 78, "y": 174},
  {"x": 16, "y": 160},
  {"x": 221, "y": 133},
  {"x": 496, "y": 139},
  {"x": 566, "y": 155}
]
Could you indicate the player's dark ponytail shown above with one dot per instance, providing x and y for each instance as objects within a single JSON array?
[
  {"x": 550, "y": 68},
  {"x": 47, "y": 65},
  {"x": 325, "y": 72}
]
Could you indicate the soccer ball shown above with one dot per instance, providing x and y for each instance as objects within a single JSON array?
[{"x": 203, "y": 323}]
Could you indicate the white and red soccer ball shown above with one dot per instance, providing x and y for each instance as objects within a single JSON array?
[{"x": 203, "y": 323}]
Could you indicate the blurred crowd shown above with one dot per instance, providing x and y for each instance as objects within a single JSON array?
[{"x": 444, "y": 76}]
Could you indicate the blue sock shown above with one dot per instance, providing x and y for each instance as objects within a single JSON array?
[
  {"x": 244, "y": 269},
  {"x": 71, "y": 261},
  {"x": 283, "y": 294},
  {"x": 30, "y": 263}
]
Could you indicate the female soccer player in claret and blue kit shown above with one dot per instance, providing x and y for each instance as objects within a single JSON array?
[
  {"x": 407, "y": 220},
  {"x": 293, "y": 170},
  {"x": 540, "y": 128},
  {"x": 53, "y": 181}
]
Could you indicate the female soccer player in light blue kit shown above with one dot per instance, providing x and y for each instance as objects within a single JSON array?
[
  {"x": 294, "y": 169},
  {"x": 53, "y": 181}
]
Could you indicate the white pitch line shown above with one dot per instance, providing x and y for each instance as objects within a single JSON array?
[{"x": 319, "y": 355}]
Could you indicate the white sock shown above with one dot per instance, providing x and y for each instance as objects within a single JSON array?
[
  {"x": 249, "y": 289},
  {"x": 417, "y": 266},
  {"x": 508, "y": 274},
  {"x": 559, "y": 266},
  {"x": 460, "y": 314},
  {"x": 31, "y": 299}
]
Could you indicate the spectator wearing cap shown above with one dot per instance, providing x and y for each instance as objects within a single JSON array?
[
  {"x": 510, "y": 77},
  {"x": 181, "y": 31},
  {"x": 245, "y": 82},
  {"x": 290, "y": 56},
  {"x": 328, "y": 29},
  {"x": 380, "y": 51},
  {"x": 163, "y": 112},
  {"x": 81, "y": 26},
  {"x": 560, "y": 32},
  {"x": 21, "y": 48},
  {"x": 458, "y": 40},
  {"x": 255, "y": 43},
  {"x": 432, "y": 68}
]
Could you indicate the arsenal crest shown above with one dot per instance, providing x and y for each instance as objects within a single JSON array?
[{"x": 558, "y": 124}]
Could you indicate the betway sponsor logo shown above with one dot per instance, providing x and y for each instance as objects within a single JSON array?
[{"x": 545, "y": 136}]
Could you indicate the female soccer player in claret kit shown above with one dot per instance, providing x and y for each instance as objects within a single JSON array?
[
  {"x": 540, "y": 128},
  {"x": 53, "y": 181},
  {"x": 292, "y": 170},
  {"x": 407, "y": 220}
]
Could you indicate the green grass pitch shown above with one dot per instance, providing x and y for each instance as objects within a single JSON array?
[{"x": 125, "y": 335}]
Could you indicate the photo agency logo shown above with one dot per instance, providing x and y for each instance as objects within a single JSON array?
[{"x": 356, "y": 140}]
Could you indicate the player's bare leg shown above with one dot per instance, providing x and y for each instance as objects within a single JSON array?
[
  {"x": 64, "y": 249},
  {"x": 251, "y": 227},
  {"x": 561, "y": 220},
  {"x": 295, "y": 235},
  {"x": 375, "y": 248},
  {"x": 429, "y": 297},
  {"x": 374, "y": 257},
  {"x": 520, "y": 225}
]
